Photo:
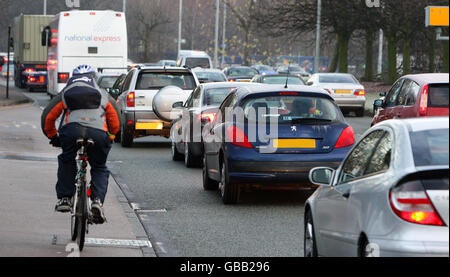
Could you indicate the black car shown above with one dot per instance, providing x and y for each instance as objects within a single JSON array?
[
  {"x": 240, "y": 73},
  {"x": 199, "y": 109}
]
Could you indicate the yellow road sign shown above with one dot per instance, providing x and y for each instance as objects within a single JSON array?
[{"x": 436, "y": 16}]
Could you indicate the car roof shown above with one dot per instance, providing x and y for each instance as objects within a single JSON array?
[
  {"x": 200, "y": 69},
  {"x": 256, "y": 88},
  {"x": 278, "y": 74},
  {"x": 224, "y": 85},
  {"x": 418, "y": 124},
  {"x": 164, "y": 68},
  {"x": 427, "y": 78}
]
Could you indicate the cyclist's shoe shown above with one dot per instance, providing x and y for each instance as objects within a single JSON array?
[
  {"x": 98, "y": 216},
  {"x": 63, "y": 205}
]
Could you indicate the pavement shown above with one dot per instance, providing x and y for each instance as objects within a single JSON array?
[
  {"x": 29, "y": 226},
  {"x": 15, "y": 96}
]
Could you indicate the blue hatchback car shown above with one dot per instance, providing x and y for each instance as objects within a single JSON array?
[{"x": 270, "y": 136}]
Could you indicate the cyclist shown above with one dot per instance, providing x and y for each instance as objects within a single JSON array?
[{"x": 87, "y": 110}]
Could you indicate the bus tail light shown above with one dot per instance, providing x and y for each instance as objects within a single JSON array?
[{"x": 63, "y": 78}]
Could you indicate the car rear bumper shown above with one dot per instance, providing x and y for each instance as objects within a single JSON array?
[
  {"x": 279, "y": 169},
  {"x": 357, "y": 102},
  {"x": 133, "y": 118},
  {"x": 396, "y": 248}
]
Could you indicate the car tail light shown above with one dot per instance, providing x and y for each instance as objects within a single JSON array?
[
  {"x": 329, "y": 91},
  {"x": 118, "y": 15},
  {"x": 346, "y": 139},
  {"x": 360, "y": 92},
  {"x": 231, "y": 80},
  {"x": 424, "y": 102},
  {"x": 28, "y": 70},
  {"x": 66, "y": 14},
  {"x": 31, "y": 79},
  {"x": 410, "y": 202},
  {"x": 130, "y": 99},
  {"x": 92, "y": 13},
  {"x": 207, "y": 117},
  {"x": 236, "y": 136},
  {"x": 63, "y": 78}
]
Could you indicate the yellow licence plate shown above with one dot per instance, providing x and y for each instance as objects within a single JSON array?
[
  {"x": 294, "y": 143},
  {"x": 342, "y": 91},
  {"x": 149, "y": 126}
]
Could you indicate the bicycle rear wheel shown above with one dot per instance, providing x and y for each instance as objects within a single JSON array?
[
  {"x": 74, "y": 219},
  {"x": 81, "y": 216}
]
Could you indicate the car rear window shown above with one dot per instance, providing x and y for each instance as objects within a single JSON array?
[
  {"x": 337, "y": 79},
  {"x": 215, "y": 96},
  {"x": 289, "y": 109},
  {"x": 197, "y": 62},
  {"x": 107, "y": 81},
  {"x": 158, "y": 80},
  {"x": 280, "y": 80},
  {"x": 438, "y": 96},
  {"x": 430, "y": 147},
  {"x": 242, "y": 72},
  {"x": 211, "y": 76}
]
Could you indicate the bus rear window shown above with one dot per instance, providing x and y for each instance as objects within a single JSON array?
[
  {"x": 439, "y": 96},
  {"x": 197, "y": 62}
]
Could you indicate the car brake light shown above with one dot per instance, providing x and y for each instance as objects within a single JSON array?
[
  {"x": 130, "y": 99},
  {"x": 424, "y": 102},
  {"x": 231, "y": 80},
  {"x": 360, "y": 92},
  {"x": 118, "y": 15},
  {"x": 66, "y": 14},
  {"x": 63, "y": 78},
  {"x": 410, "y": 202},
  {"x": 29, "y": 70},
  {"x": 288, "y": 93},
  {"x": 237, "y": 137},
  {"x": 31, "y": 79},
  {"x": 207, "y": 117},
  {"x": 346, "y": 139},
  {"x": 92, "y": 13}
]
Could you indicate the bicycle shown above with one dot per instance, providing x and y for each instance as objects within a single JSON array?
[{"x": 81, "y": 216}]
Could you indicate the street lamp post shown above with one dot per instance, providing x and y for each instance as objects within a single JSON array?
[
  {"x": 45, "y": 7},
  {"x": 124, "y": 6},
  {"x": 317, "y": 53},
  {"x": 180, "y": 15},
  {"x": 216, "y": 38},
  {"x": 224, "y": 31}
]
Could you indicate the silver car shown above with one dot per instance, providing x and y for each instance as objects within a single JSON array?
[
  {"x": 389, "y": 197},
  {"x": 346, "y": 90}
]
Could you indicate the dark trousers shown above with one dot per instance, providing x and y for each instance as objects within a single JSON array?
[{"x": 97, "y": 156}]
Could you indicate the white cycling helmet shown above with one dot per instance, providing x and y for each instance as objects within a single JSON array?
[{"x": 83, "y": 69}]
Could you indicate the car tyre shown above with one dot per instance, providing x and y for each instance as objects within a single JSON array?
[
  {"x": 208, "y": 183},
  {"x": 126, "y": 137},
  {"x": 176, "y": 156},
  {"x": 360, "y": 112},
  {"x": 228, "y": 190},
  {"x": 309, "y": 237},
  {"x": 189, "y": 158}
]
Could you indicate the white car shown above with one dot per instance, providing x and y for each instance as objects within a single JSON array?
[{"x": 346, "y": 90}]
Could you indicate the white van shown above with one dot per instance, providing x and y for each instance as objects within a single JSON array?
[
  {"x": 193, "y": 59},
  {"x": 96, "y": 38}
]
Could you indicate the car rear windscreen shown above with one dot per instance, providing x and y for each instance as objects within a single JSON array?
[
  {"x": 107, "y": 81},
  {"x": 197, "y": 62},
  {"x": 430, "y": 147},
  {"x": 438, "y": 96},
  {"x": 337, "y": 79},
  {"x": 215, "y": 96},
  {"x": 211, "y": 76},
  {"x": 291, "y": 109},
  {"x": 281, "y": 80},
  {"x": 158, "y": 80}
]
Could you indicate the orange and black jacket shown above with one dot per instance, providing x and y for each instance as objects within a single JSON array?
[{"x": 57, "y": 107}]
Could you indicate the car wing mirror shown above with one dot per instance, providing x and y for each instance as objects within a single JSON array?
[
  {"x": 383, "y": 94},
  {"x": 321, "y": 176},
  {"x": 378, "y": 103}
]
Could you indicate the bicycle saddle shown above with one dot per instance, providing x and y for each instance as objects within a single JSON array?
[{"x": 87, "y": 142}]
